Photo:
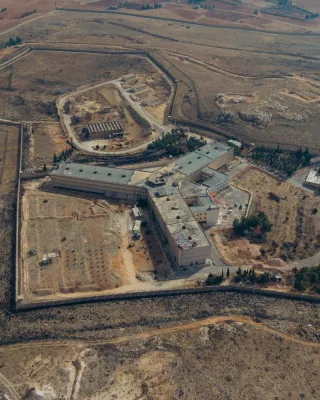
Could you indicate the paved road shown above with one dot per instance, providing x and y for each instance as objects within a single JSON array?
[{"x": 156, "y": 126}]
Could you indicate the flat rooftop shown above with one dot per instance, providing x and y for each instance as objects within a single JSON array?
[
  {"x": 204, "y": 203},
  {"x": 173, "y": 209},
  {"x": 94, "y": 173},
  {"x": 213, "y": 150},
  {"x": 313, "y": 178},
  {"x": 216, "y": 177},
  {"x": 188, "y": 235},
  {"x": 190, "y": 189},
  {"x": 191, "y": 163}
]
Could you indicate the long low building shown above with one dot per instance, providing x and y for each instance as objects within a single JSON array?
[
  {"x": 107, "y": 130},
  {"x": 111, "y": 182}
]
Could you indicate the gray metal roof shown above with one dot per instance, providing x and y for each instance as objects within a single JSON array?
[
  {"x": 94, "y": 173},
  {"x": 191, "y": 163},
  {"x": 213, "y": 149},
  {"x": 216, "y": 178},
  {"x": 111, "y": 126}
]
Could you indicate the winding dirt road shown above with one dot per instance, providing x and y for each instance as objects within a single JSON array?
[
  {"x": 82, "y": 344},
  {"x": 163, "y": 331}
]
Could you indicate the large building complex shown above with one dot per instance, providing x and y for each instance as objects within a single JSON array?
[{"x": 177, "y": 201}]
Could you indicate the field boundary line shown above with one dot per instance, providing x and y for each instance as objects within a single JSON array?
[{"x": 187, "y": 22}]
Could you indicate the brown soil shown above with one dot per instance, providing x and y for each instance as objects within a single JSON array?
[
  {"x": 30, "y": 87},
  {"x": 44, "y": 141},
  {"x": 9, "y": 148},
  {"x": 90, "y": 237},
  {"x": 295, "y": 230},
  {"x": 163, "y": 363}
]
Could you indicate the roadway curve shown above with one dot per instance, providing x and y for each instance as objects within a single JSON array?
[{"x": 159, "y": 128}]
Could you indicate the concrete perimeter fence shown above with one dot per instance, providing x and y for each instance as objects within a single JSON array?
[
  {"x": 85, "y": 50},
  {"x": 168, "y": 293},
  {"x": 17, "y": 273}
]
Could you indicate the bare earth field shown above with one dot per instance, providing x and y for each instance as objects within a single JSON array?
[
  {"x": 92, "y": 240},
  {"x": 269, "y": 83},
  {"x": 30, "y": 87},
  {"x": 44, "y": 141},
  {"x": 167, "y": 348},
  {"x": 9, "y": 148},
  {"x": 295, "y": 232},
  {"x": 260, "y": 87}
]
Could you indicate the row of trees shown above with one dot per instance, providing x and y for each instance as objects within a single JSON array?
[
  {"x": 284, "y": 162},
  {"x": 213, "y": 280},
  {"x": 307, "y": 278},
  {"x": 150, "y": 6},
  {"x": 176, "y": 142},
  {"x": 252, "y": 222},
  {"x": 25, "y": 14},
  {"x": 250, "y": 276},
  {"x": 13, "y": 41}
]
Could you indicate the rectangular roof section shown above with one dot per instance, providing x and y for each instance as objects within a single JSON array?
[
  {"x": 213, "y": 150},
  {"x": 188, "y": 235},
  {"x": 216, "y": 177},
  {"x": 173, "y": 209},
  {"x": 191, "y": 163},
  {"x": 94, "y": 173}
]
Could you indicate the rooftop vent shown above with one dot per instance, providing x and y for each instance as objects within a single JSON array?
[
  {"x": 109, "y": 173},
  {"x": 190, "y": 237},
  {"x": 80, "y": 170},
  {"x": 208, "y": 152},
  {"x": 198, "y": 157},
  {"x": 168, "y": 199},
  {"x": 178, "y": 216},
  {"x": 190, "y": 162},
  {"x": 184, "y": 227},
  {"x": 67, "y": 168},
  {"x": 95, "y": 172},
  {"x": 123, "y": 176}
]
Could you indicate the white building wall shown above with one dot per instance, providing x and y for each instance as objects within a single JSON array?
[
  {"x": 69, "y": 182},
  {"x": 222, "y": 160}
]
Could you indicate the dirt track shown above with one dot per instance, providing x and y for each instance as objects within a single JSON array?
[{"x": 162, "y": 331}]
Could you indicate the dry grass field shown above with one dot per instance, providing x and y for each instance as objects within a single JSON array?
[
  {"x": 30, "y": 87},
  {"x": 92, "y": 240},
  {"x": 169, "y": 348},
  {"x": 279, "y": 73},
  {"x": 9, "y": 148},
  {"x": 295, "y": 232},
  {"x": 44, "y": 141}
]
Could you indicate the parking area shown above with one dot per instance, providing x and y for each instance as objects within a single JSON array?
[{"x": 234, "y": 203}]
